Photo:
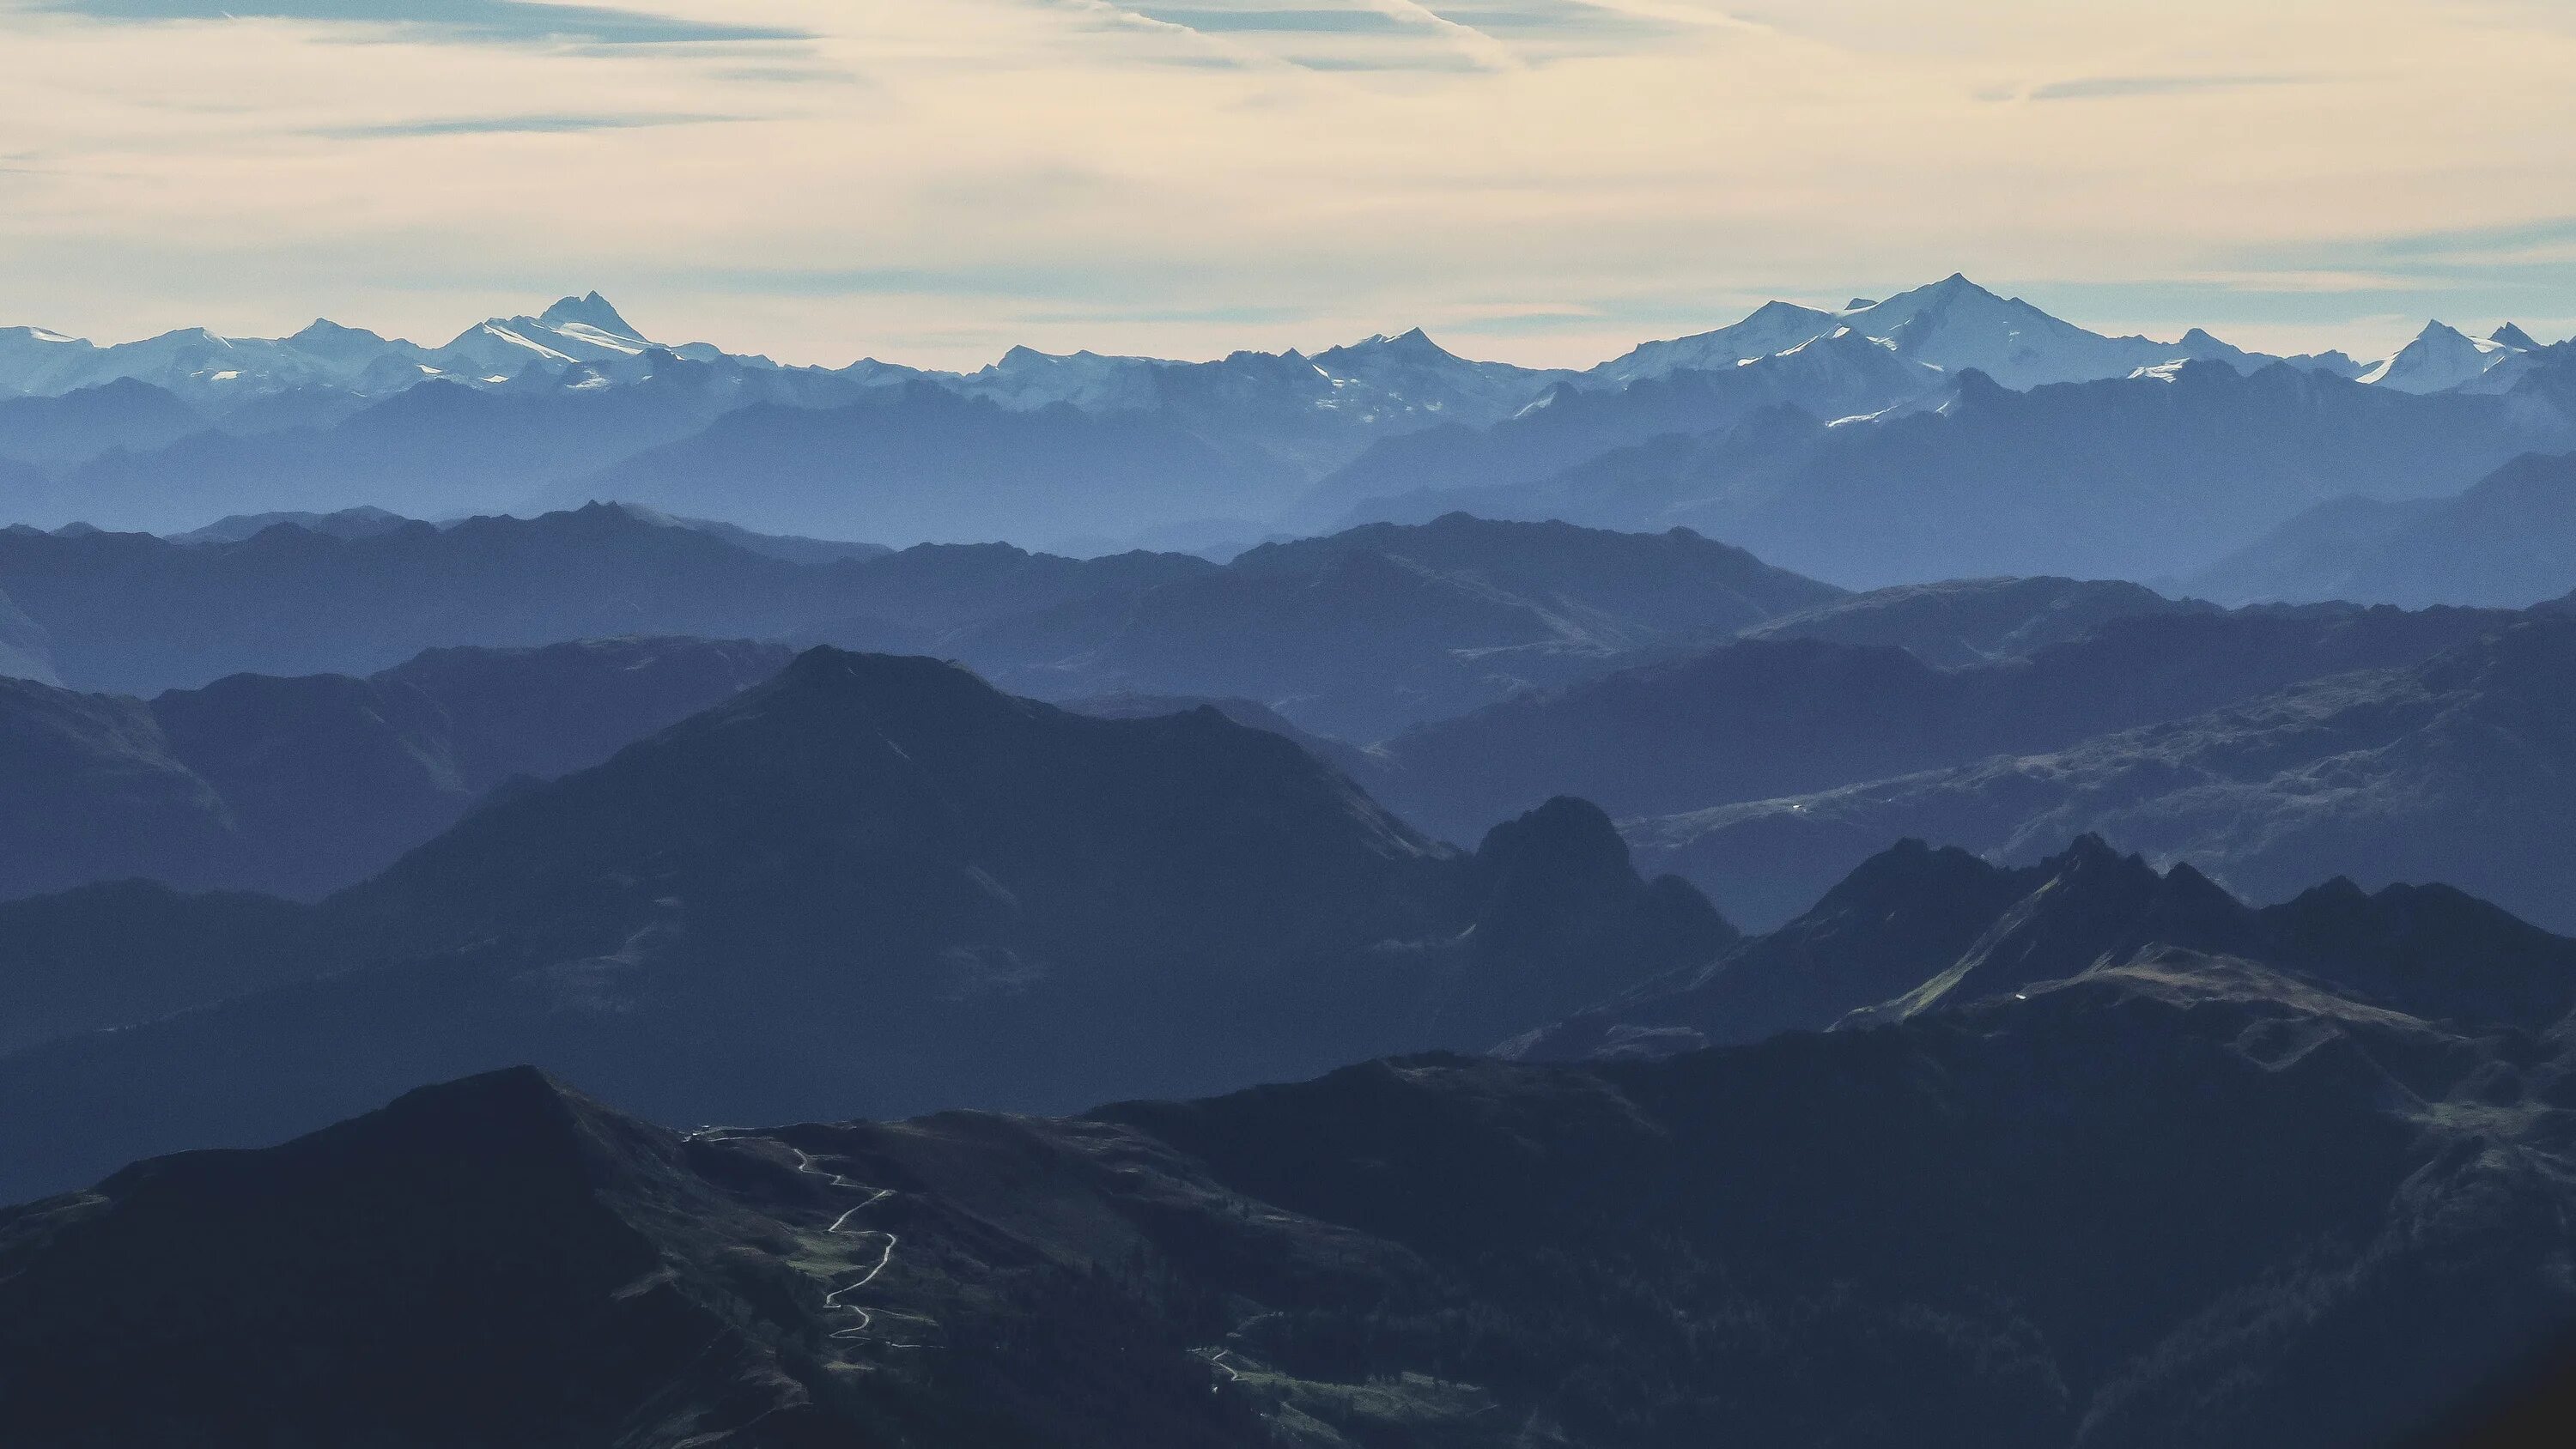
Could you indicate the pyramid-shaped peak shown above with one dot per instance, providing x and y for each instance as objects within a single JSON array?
[
  {"x": 589, "y": 310},
  {"x": 1411, "y": 340},
  {"x": 2512, "y": 335}
]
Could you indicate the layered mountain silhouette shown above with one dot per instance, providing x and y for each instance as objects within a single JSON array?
[
  {"x": 2175, "y": 1197},
  {"x": 1975, "y": 621},
  {"x": 300, "y": 786},
  {"x": 1855, "y": 444},
  {"x": 1836, "y": 376},
  {"x": 25, "y": 651},
  {"x": 927, "y": 464},
  {"x": 1777, "y": 716},
  {"x": 2508, "y": 540},
  {"x": 2140, "y": 478},
  {"x": 126, "y": 414},
  {"x": 1914, "y": 930},
  {"x": 1364, "y": 632},
  {"x": 2453, "y": 768},
  {"x": 878, "y": 885},
  {"x": 1358, "y": 634},
  {"x": 136, "y": 613}
]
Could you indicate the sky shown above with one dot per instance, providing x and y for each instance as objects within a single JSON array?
[{"x": 1542, "y": 181}]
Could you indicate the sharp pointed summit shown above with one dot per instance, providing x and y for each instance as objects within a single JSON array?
[
  {"x": 590, "y": 310},
  {"x": 2441, "y": 358}
]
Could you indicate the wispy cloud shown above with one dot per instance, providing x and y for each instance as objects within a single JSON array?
[
  {"x": 2112, "y": 87},
  {"x": 481, "y": 20},
  {"x": 1252, "y": 20},
  {"x": 510, "y": 125},
  {"x": 1069, "y": 174}
]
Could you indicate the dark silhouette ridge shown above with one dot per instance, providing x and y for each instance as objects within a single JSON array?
[{"x": 877, "y": 884}]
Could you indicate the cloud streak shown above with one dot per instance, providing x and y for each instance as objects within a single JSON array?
[
  {"x": 477, "y": 20},
  {"x": 556, "y": 125},
  {"x": 1068, "y": 174},
  {"x": 2123, "y": 87}
]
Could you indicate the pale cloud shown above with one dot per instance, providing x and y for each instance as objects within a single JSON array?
[
  {"x": 2123, "y": 87},
  {"x": 934, "y": 181},
  {"x": 479, "y": 20}
]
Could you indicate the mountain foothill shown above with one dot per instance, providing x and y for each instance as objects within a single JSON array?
[{"x": 1897, "y": 873}]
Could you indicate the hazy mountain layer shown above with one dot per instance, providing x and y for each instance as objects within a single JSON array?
[
  {"x": 1363, "y": 633},
  {"x": 2139, "y": 478},
  {"x": 137, "y": 613},
  {"x": 2509, "y": 540},
  {"x": 2452, "y": 769},
  {"x": 877, "y": 884},
  {"x": 1764, "y": 717}
]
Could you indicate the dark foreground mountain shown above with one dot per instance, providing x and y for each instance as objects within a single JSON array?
[
  {"x": 878, "y": 884},
  {"x": 1914, "y": 930},
  {"x": 301, "y": 786},
  {"x": 2457, "y": 768},
  {"x": 1364, "y": 632},
  {"x": 2177, "y": 1199},
  {"x": 1783, "y": 715}
]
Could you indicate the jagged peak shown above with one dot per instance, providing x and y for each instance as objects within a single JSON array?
[
  {"x": 1413, "y": 342},
  {"x": 588, "y": 310}
]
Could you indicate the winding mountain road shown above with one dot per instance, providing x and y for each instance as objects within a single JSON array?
[{"x": 863, "y": 1331}]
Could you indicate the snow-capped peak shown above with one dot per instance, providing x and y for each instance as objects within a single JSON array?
[
  {"x": 2441, "y": 358},
  {"x": 591, "y": 311}
]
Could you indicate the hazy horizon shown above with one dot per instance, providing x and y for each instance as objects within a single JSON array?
[
  {"x": 1463, "y": 344},
  {"x": 1537, "y": 181}
]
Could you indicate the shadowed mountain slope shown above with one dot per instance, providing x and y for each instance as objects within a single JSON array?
[
  {"x": 137, "y": 613},
  {"x": 301, "y": 786},
  {"x": 1975, "y": 621},
  {"x": 2140, "y": 478},
  {"x": 2510, "y": 540},
  {"x": 1913, "y": 930},
  {"x": 1771, "y": 716},
  {"x": 2456, "y": 768},
  {"x": 878, "y": 884},
  {"x": 2180, "y": 1199},
  {"x": 1364, "y": 632}
]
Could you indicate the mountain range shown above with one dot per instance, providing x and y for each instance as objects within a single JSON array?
[
  {"x": 1358, "y": 634},
  {"x": 1362, "y": 633},
  {"x": 2147, "y": 1168},
  {"x": 1088, "y": 453},
  {"x": 2508, "y": 540},
  {"x": 2142, "y": 477},
  {"x": 137, "y": 613},
  {"x": 2452, "y": 768},
  {"x": 1846, "y": 694},
  {"x": 1912, "y": 930},
  {"x": 300, "y": 786},
  {"x": 870, "y": 884}
]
